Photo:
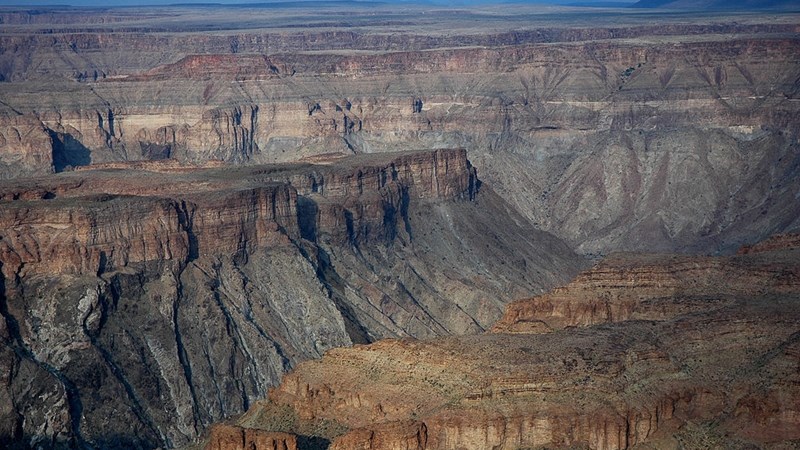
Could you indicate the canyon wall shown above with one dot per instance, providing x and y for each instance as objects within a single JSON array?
[
  {"x": 142, "y": 302},
  {"x": 600, "y": 135},
  {"x": 696, "y": 358},
  {"x": 195, "y": 200}
]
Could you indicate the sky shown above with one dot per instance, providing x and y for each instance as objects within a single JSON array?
[{"x": 168, "y": 2}]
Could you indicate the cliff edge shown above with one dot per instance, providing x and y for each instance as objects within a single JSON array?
[{"x": 143, "y": 302}]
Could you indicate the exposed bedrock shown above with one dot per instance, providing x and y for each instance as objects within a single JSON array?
[
  {"x": 188, "y": 213},
  {"x": 710, "y": 363},
  {"x": 141, "y": 305},
  {"x": 26, "y": 146},
  {"x": 228, "y": 437},
  {"x": 662, "y": 142},
  {"x": 629, "y": 287}
]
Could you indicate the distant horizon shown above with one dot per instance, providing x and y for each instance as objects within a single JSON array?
[{"x": 133, "y": 3}]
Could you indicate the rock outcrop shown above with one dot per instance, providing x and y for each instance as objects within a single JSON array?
[
  {"x": 194, "y": 201},
  {"x": 602, "y": 134},
  {"x": 623, "y": 287},
  {"x": 712, "y": 363},
  {"x": 26, "y": 146},
  {"x": 773, "y": 243},
  {"x": 228, "y": 437},
  {"x": 141, "y": 304}
]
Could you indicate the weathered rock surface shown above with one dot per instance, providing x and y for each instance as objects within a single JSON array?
[
  {"x": 228, "y": 437},
  {"x": 26, "y": 147},
  {"x": 614, "y": 134},
  {"x": 628, "y": 287},
  {"x": 773, "y": 243},
  {"x": 713, "y": 366},
  {"x": 141, "y": 304},
  {"x": 160, "y": 288}
]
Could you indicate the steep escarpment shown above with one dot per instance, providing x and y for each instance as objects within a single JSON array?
[
  {"x": 715, "y": 366},
  {"x": 627, "y": 287},
  {"x": 600, "y": 135},
  {"x": 88, "y": 45},
  {"x": 142, "y": 304},
  {"x": 26, "y": 146},
  {"x": 228, "y": 437},
  {"x": 256, "y": 107},
  {"x": 104, "y": 233},
  {"x": 216, "y": 197}
]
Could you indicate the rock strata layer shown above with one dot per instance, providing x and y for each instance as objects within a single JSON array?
[
  {"x": 227, "y": 437},
  {"x": 141, "y": 304},
  {"x": 704, "y": 354},
  {"x": 615, "y": 135}
]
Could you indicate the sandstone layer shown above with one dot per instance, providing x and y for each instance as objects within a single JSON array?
[
  {"x": 142, "y": 303},
  {"x": 712, "y": 364},
  {"x": 609, "y": 131},
  {"x": 196, "y": 199}
]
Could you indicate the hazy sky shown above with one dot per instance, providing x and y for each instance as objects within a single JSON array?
[{"x": 168, "y": 2}]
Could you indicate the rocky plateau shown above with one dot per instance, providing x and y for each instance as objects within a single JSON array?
[
  {"x": 640, "y": 351},
  {"x": 143, "y": 303},
  {"x": 262, "y": 227},
  {"x": 599, "y": 128}
]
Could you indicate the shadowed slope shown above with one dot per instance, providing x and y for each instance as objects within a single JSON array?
[
  {"x": 144, "y": 301},
  {"x": 707, "y": 352}
]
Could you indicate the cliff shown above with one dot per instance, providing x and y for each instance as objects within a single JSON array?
[
  {"x": 599, "y": 134},
  {"x": 196, "y": 199},
  {"x": 26, "y": 146},
  {"x": 712, "y": 364},
  {"x": 142, "y": 302},
  {"x": 225, "y": 437},
  {"x": 105, "y": 233},
  {"x": 623, "y": 287}
]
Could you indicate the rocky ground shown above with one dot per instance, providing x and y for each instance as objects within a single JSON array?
[
  {"x": 641, "y": 351},
  {"x": 143, "y": 303},
  {"x": 599, "y": 127},
  {"x": 196, "y": 199}
]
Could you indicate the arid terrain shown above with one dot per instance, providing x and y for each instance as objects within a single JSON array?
[
  {"x": 598, "y": 127},
  {"x": 641, "y": 351},
  {"x": 155, "y": 299},
  {"x": 503, "y": 227}
]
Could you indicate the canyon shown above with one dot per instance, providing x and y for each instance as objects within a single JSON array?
[
  {"x": 144, "y": 301},
  {"x": 297, "y": 226},
  {"x": 641, "y": 351},
  {"x": 643, "y": 115}
]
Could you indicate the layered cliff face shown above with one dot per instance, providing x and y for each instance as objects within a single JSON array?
[
  {"x": 143, "y": 303},
  {"x": 26, "y": 146},
  {"x": 623, "y": 287},
  {"x": 600, "y": 134},
  {"x": 699, "y": 360},
  {"x": 223, "y": 201}
]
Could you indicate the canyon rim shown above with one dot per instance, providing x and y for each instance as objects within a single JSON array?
[{"x": 371, "y": 226}]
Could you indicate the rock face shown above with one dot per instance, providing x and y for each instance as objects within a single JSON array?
[
  {"x": 226, "y": 437},
  {"x": 622, "y": 288},
  {"x": 141, "y": 304},
  {"x": 603, "y": 135},
  {"x": 709, "y": 364},
  {"x": 196, "y": 199},
  {"x": 26, "y": 146}
]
